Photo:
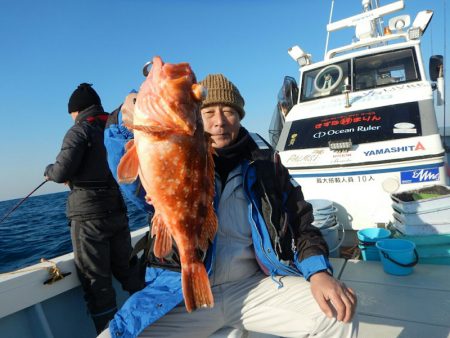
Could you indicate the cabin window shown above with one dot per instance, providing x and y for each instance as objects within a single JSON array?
[
  {"x": 325, "y": 81},
  {"x": 385, "y": 69},
  {"x": 364, "y": 126}
]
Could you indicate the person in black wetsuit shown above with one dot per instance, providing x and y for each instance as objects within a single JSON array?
[{"x": 96, "y": 209}]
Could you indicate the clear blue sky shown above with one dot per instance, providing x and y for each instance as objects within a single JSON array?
[{"x": 49, "y": 47}]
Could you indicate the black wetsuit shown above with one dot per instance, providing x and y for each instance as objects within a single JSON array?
[{"x": 98, "y": 216}]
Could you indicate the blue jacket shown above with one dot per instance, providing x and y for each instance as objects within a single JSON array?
[
  {"x": 115, "y": 138},
  {"x": 163, "y": 291}
]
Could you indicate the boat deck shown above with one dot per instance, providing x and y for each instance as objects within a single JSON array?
[{"x": 413, "y": 306}]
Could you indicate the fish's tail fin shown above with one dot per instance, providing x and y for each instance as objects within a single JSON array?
[{"x": 196, "y": 288}]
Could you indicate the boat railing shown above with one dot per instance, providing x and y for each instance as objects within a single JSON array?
[
  {"x": 30, "y": 286},
  {"x": 367, "y": 43}
]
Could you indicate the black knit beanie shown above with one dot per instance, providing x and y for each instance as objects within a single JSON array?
[{"x": 83, "y": 97}]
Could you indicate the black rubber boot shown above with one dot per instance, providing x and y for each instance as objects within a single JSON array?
[{"x": 101, "y": 321}]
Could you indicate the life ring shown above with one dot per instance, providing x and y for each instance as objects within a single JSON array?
[{"x": 329, "y": 83}]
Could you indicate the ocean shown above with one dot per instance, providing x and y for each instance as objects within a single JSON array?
[{"x": 39, "y": 229}]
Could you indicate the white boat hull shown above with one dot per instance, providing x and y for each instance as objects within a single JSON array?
[{"x": 365, "y": 188}]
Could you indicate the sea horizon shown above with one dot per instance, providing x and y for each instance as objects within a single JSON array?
[{"x": 38, "y": 228}]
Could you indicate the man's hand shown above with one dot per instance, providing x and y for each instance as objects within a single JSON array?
[{"x": 331, "y": 293}]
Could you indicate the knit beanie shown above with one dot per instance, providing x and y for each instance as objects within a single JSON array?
[
  {"x": 83, "y": 97},
  {"x": 222, "y": 91}
]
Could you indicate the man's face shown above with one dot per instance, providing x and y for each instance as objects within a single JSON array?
[
  {"x": 74, "y": 115},
  {"x": 223, "y": 123}
]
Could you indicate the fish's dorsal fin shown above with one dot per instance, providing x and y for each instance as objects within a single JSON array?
[
  {"x": 127, "y": 170},
  {"x": 163, "y": 239},
  {"x": 210, "y": 225},
  {"x": 209, "y": 229}
]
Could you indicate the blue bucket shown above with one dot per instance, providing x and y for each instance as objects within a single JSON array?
[
  {"x": 398, "y": 256},
  {"x": 367, "y": 240}
]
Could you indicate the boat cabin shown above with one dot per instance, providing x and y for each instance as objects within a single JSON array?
[{"x": 364, "y": 124}]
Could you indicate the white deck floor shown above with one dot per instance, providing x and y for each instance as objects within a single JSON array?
[
  {"x": 414, "y": 306},
  {"x": 411, "y": 306}
]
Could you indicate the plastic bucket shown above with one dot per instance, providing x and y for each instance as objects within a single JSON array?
[
  {"x": 331, "y": 236},
  {"x": 325, "y": 212},
  {"x": 324, "y": 222},
  {"x": 367, "y": 240},
  {"x": 398, "y": 256},
  {"x": 321, "y": 205}
]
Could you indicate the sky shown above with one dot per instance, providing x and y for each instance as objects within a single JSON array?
[{"x": 48, "y": 47}]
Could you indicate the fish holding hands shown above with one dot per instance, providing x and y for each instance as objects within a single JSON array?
[{"x": 173, "y": 158}]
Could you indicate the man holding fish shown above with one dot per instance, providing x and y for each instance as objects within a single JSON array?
[{"x": 268, "y": 266}]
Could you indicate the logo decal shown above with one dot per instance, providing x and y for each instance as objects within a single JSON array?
[
  {"x": 420, "y": 175},
  {"x": 382, "y": 151},
  {"x": 419, "y": 146}
]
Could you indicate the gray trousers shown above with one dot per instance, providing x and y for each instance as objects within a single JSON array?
[{"x": 255, "y": 304}]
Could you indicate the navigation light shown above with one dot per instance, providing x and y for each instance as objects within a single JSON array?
[
  {"x": 420, "y": 24},
  {"x": 340, "y": 145},
  {"x": 299, "y": 56},
  {"x": 414, "y": 33}
]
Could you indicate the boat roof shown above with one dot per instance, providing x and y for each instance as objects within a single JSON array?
[{"x": 361, "y": 52}]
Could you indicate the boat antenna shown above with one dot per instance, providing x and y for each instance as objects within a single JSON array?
[
  {"x": 23, "y": 200},
  {"x": 328, "y": 33},
  {"x": 379, "y": 21}
]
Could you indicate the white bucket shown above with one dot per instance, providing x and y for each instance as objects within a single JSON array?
[
  {"x": 325, "y": 220},
  {"x": 321, "y": 205}
]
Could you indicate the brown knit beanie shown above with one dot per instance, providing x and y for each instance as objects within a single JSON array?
[{"x": 222, "y": 91}]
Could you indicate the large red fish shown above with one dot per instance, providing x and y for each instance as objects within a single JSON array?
[{"x": 173, "y": 158}]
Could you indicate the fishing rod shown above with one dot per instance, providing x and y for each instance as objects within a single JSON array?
[{"x": 23, "y": 200}]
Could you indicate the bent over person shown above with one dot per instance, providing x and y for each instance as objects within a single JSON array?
[
  {"x": 268, "y": 266},
  {"x": 97, "y": 212}
]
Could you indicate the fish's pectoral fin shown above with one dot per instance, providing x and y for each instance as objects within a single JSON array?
[
  {"x": 128, "y": 168},
  {"x": 209, "y": 141},
  {"x": 163, "y": 239},
  {"x": 129, "y": 145}
]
